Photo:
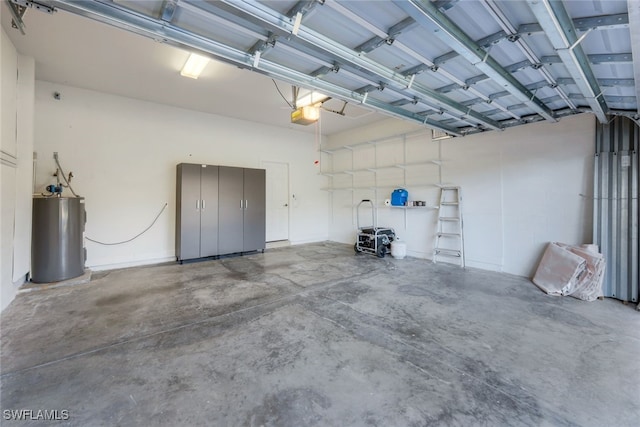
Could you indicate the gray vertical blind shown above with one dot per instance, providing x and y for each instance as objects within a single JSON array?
[{"x": 615, "y": 225}]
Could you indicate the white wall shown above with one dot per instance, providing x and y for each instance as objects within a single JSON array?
[
  {"x": 521, "y": 189},
  {"x": 24, "y": 172},
  {"x": 16, "y": 128},
  {"x": 123, "y": 154}
]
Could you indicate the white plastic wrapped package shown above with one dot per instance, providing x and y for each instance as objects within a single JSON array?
[{"x": 571, "y": 270}]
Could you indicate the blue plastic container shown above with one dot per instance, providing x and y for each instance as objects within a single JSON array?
[{"x": 399, "y": 197}]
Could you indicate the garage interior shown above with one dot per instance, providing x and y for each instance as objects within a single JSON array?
[{"x": 528, "y": 109}]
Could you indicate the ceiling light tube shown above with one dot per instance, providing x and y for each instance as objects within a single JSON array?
[{"x": 194, "y": 66}]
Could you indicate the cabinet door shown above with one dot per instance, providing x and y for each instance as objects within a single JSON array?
[
  {"x": 188, "y": 211},
  {"x": 208, "y": 211},
  {"x": 254, "y": 214},
  {"x": 230, "y": 210}
]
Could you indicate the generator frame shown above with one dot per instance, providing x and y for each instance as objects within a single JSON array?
[{"x": 372, "y": 239}]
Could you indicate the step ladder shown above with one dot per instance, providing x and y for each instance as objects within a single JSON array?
[{"x": 449, "y": 235}]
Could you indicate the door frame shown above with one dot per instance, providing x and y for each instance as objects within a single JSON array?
[{"x": 263, "y": 165}]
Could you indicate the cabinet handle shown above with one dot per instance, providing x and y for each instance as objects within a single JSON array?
[
  {"x": 240, "y": 203},
  {"x": 203, "y": 204},
  {"x": 197, "y": 204},
  {"x": 246, "y": 204}
]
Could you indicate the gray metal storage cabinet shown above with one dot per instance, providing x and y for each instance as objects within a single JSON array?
[
  {"x": 231, "y": 210},
  {"x": 254, "y": 218},
  {"x": 239, "y": 204},
  {"x": 196, "y": 211}
]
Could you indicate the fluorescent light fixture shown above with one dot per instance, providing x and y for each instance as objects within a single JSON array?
[
  {"x": 194, "y": 66},
  {"x": 311, "y": 98}
]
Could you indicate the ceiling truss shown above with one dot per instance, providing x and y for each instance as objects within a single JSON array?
[
  {"x": 557, "y": 24},
  {"x": 455, "y": 83}
]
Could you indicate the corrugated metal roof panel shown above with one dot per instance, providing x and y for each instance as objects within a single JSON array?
[
  {"x": 382, "y": 14},
  {"x": 473, "y": 17},
  {"x": 335, "y": 26},
  {"x": 597, "y": 7},
  {"x": 488, "y": 61}
]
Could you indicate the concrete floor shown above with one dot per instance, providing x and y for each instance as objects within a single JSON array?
[{"x": 314, "y": 335}]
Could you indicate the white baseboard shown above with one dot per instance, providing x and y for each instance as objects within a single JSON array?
[
  {"x": 421, "y": 255},
  {"x": 310, "y": 240},
  {"x": 128, "y": 264},
  {"x": 483, "y": 265},
  {"x": 278, "y": 244}
]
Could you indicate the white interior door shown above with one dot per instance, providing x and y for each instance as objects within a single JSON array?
[{"x": 277, "y": 203}]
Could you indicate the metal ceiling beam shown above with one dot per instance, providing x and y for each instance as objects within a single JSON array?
[
  {"x": 327, "y": 63},
  {"x": 37, "y": 5},
  {"x": 484, "y": 42},
  {"x": 370, "y": 45},
  {"x": 392, "y": 78},
  {"x": 233, "y": 22},
  {"x": 222, "y": 18},
  {"x": 389, "y": 38},
  {"x": 497, "y": 95},
  {"x": 445, "y": 4},
  {"x": 558, "y": 26},
  {"x": 263, "y": 45},
  {"x": 393, "y": 32},
  {"x": 634, "y": 18},
  {"x": 116, "y": 15},
  {"x": 501, "y": 18},
  {"x": 428, "y": 64},
  {"x": 312, "y": 59},
  {"x": 404, "y": 25},
  {"x": 535, "y": 118},
  {"x": 541, "y": 84},
  {"x": 18, "y": 8},
  {"x": 333, "y": 4},
  {"x": 426, "y": 14},
  {"x": 602, "y": 82},
  {"x": 598, "y": 58},
  {"x": 303, "y": 6},
  {"x": 401, "y": 102},
  {"x": 550, "y": 60},
  {"x": 382, "y": 37},
  {"x": 303, "y": 51},
  {"x": 605, "y": 22},
  {"x": 17, "y": 12}
]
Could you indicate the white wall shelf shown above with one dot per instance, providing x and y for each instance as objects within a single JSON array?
[
  {"x": 413, "y": 207},
  {"x": 426, "y": 163},
  {"x": 332, "y": 189},
  {"x": 379, "y": 168},
  {"x": 375, "y": 167},
  {"x": 375, "y": 141}
]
